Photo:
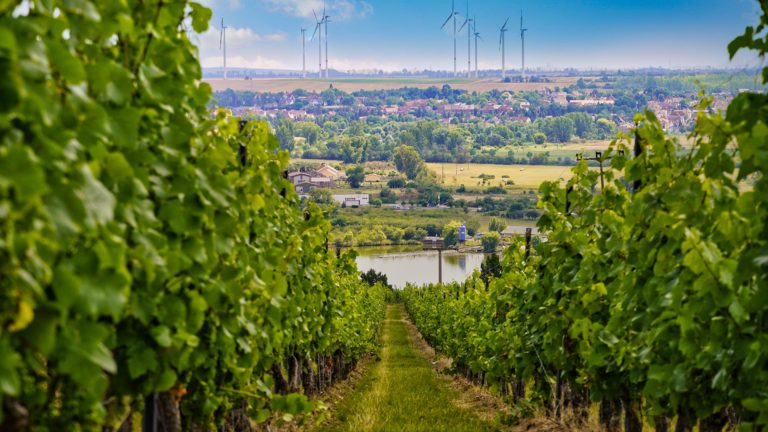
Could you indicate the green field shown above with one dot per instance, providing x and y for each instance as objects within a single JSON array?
[{"x": 523, "y": 176}]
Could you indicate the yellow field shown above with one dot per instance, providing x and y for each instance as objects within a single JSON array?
[
  {"x": 353, "y": 84},
  {"x": 524, "y": 176}
]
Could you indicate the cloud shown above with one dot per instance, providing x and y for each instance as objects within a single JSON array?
[
  {"x": 237, "y": 38},
  {"x": 245, "y": 48},
  {"x": 275, "y": 37},
  {"x": 362, "y": 65},
  {"x": 215, "y": 4},
  {"x": 339, "y": 10},
  {"x": 251, "y": 62}
]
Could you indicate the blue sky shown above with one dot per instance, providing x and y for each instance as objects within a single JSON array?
[{"x": 397, "y": 34}]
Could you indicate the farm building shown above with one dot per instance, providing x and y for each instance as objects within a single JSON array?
[
  {"x": 326, "y": 170},
  {"x": 352, "y": 200}
]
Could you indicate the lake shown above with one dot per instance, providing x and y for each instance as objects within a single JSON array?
[{"x": 404, "y": 264}]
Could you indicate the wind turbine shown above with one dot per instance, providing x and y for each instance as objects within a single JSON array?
[
  {"x": 502, "y": 40},
  {"x": 477, "y": 36},
  {"x": 319, "y": 32},
  {"x": 223, "y": 45},
  {"x": 522, "y": 39},
  {"x": 453, "y": 15},
  {"x": 303, "y": 53},
  {"x": 469, "y": 41},
  {"x": 326, "y": 20}
]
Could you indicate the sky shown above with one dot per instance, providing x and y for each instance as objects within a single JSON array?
[{"x": 392, "y": 35}]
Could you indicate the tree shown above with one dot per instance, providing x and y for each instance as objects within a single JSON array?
[
  {"x": 496, "y": 225},
  {"x": 557, "y": 129},
  {"x": 284, "y": 132},
  {"x": 490, "y": 268},
  {"x": 408, "y": 161},
  {"x": 396, "y": 183},
  {"x": 539, "y": 138},
  {"x": 583, "y": 124},
  {"x": 490, "y": 241},
  {"x": 451, "y": 234},
  {"x": 372, "y": 277},
  {"x": 355, "y": 176},
  {"x": 321, "y": 196}
]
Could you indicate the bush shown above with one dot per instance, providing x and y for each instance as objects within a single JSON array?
[
  {"x": 490, "y": 241},
  {"x": 396, "y": 183},
  {"x": 451, "y": 233},
  {"x": 539, "y": 138},
  {"x": 414, "y": 233},
  {"x": 495, "y": 190}
]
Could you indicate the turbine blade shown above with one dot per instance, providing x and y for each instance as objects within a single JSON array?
[
  {"x": 446, "y": 20},
  {"x": 465, "y": 23},
  {"x": 315, "y": 14},
  {"x": 317, "y": 26}
]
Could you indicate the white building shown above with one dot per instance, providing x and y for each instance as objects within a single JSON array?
[{"x": 352, "y": 200}]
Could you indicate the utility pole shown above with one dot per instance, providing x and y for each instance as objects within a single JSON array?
[{"x": 599, "y": 159}]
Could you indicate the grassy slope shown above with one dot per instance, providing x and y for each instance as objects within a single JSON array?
[{"x": 402, "y": 392}]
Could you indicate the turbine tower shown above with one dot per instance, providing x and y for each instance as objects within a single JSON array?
[
  {"x": 319, "y": 32},
  {"x": 477, "y": 36},
  {"x": 502, "y": 40},
  {"x": 468, "y": 24},
  {"x": 453, "y": 15},
  {"x": 223, "y": 45},
  {"x": 522, "y": 40},
  {"x": 326, "y": 20},
  {"x": 303, "y": 53}
]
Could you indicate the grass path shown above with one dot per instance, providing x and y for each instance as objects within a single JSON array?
[{"x": 402, "y": 392}]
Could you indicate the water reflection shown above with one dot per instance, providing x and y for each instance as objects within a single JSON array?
[{"x": 411, "y": 264}]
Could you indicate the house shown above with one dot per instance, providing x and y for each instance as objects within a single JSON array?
[
  {"x": 326, "y": 170},
  {"x": 299, "y": 177},
  {"x": 321, "y": 181},
  {"x": 352, "y": 200},
  {"x": 303, "y": 188},
  {"x": 514, "y": 230}
]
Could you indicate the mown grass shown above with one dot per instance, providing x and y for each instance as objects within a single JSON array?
[
  {"x": 367, "y": 217},
  {"x": 402, "y": 392},
  {"x": 523, "y": 176}
]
